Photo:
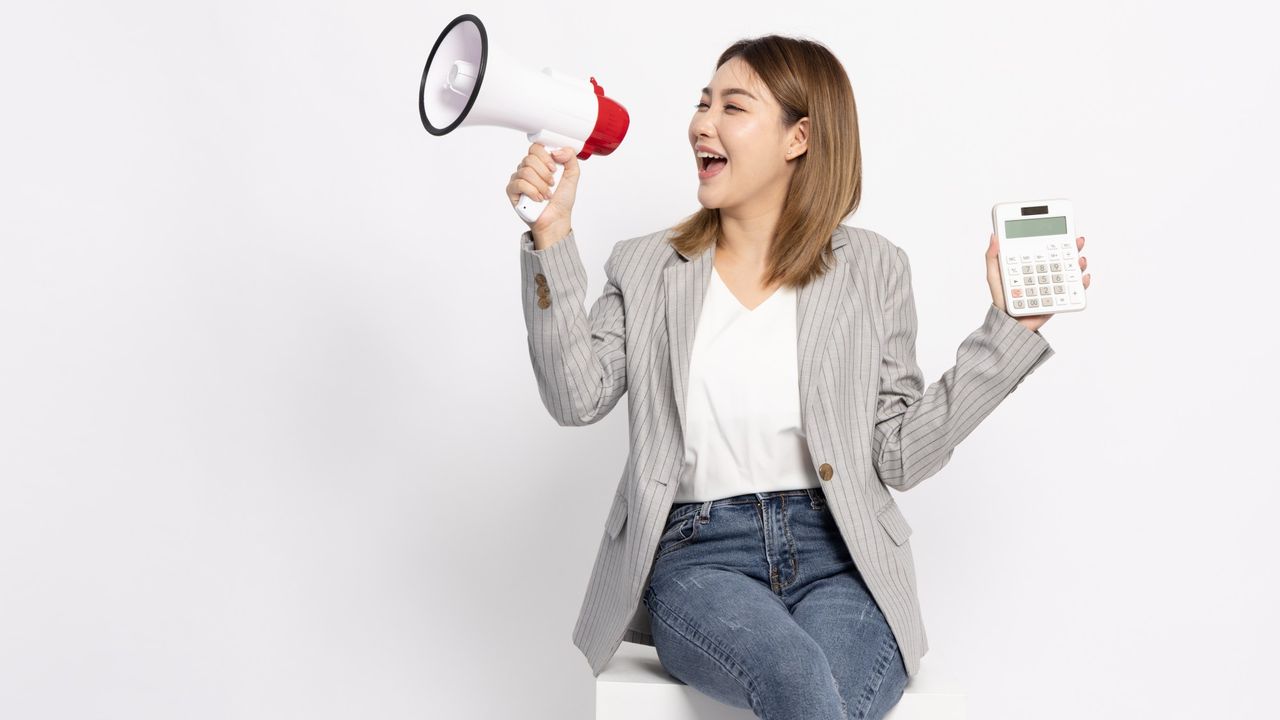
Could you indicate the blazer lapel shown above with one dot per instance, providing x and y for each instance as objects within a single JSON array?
[{"x": 686, "y": 282}]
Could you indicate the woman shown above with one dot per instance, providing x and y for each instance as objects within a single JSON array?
[{"x": 768, "y": 356}]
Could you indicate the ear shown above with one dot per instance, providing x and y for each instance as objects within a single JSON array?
[{"x": 798, "y": 138}]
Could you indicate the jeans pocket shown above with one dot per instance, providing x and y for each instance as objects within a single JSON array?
[{"x": 681, "y": 530}]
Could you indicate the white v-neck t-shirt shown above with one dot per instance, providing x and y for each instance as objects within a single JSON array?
[{"x": 743, "y": 409}]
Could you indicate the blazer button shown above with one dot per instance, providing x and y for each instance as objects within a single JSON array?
[
  {"x": 825, "y": 471},
  {"x": 543, "y": 291},
  {"x": 544, "y": 302},
  {"x": 540, "y": 279}
]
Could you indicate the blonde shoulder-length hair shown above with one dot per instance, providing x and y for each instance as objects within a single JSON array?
[{"x": 807, "y": 80}]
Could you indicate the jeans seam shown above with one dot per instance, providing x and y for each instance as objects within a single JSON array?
[
  {"x": 872, "y": 691},
  {"x": 737, "y": 672}
]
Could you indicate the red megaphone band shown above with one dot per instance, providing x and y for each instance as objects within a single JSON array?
[{"x": 611, "y": 125}]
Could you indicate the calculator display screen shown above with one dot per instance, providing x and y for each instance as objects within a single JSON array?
[{"x": 1032, "y": 227}]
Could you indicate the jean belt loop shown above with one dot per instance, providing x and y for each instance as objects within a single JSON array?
[{"x": 704, "y": 513}]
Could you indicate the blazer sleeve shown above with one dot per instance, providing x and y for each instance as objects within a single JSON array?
[
  {"x": 918, "y": 428},
  {"x": 579, "y": 358}
]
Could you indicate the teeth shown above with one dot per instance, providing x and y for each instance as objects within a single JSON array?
[{"x": 702, "y": 154}]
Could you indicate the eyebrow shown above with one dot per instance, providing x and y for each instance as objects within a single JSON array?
[{"x": 731, "y": 91}]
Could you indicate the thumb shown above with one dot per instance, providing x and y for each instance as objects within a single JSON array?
[
  {"x": 993, "y": 253},
  {"x": 568, "y": 157}
]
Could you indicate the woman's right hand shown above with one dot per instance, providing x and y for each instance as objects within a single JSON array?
[{"x": 533, "y": 177}]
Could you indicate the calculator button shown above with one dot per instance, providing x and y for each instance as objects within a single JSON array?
[
  {"x": 1026, "y": 258},
  {"x": 1077, "y": 296},
  {"x": 1061, "y": 301},
  {"x": 1030, "y": 279},
  {"x": 1044, "y": 290},
  {"x": 1016, "y": 292},
  {"x": 1055, "y": 267},
  {"x": 1057, "y": 277},
  {"x": 1040, "y": 267},
  {"x": 1018, "y": 304},
  {"x": 1043, "y": 278},
  {"x": 1058, "y": 289},
  {"x": 1026, "y": 268},
  {"x": 1032, "y": 302}
]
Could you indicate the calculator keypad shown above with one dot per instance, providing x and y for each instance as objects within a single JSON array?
[{"x": 1045, "y": 277}]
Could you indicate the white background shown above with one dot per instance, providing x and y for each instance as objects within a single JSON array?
[{"x": 271, "y": 444}]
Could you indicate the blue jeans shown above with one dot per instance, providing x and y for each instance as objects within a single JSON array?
[{"x": 755, "y": 601}]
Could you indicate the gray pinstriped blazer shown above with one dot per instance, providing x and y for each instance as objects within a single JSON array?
[{"x": 870, "y": 423}]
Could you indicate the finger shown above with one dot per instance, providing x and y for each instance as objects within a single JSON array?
[
  {"x": 532, "y": 160},
  {"x": 533, "y": 191},
  {"x": 542, "y": 169},
  {"x": 532, "y": 175},
  {"x": 528, "y": 190},
  {"x": 1083, "y": 262},
  {"x": 1080, "y": 243},
  {"x": 550, "y": 156},
  {"x": 1085, "y": 280},
  {"x": 540, "y": 151},
  {"x": 567, "y": 156}
]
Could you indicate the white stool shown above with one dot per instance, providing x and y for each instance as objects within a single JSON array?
[{"x": 635, "y": 686}]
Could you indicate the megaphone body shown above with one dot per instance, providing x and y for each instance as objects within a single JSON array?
[{"x": 467, "y": 81}]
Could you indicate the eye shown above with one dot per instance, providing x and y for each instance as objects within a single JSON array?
[{"x": 726, "y": 107}]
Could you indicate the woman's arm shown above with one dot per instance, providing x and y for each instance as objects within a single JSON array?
[
  {"x": 918, "y": 428},
  {"x": 578, "y": 358}
]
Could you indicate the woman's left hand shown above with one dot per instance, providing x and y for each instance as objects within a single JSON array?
[{"x": 1031, "y": 322}]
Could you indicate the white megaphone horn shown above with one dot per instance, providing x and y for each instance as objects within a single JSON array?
[{"x": 466, "y": 81}]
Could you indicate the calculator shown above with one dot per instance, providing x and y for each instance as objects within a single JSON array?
[{"x": 1038, "y": 262}]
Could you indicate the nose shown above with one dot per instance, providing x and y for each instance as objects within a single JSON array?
[{"x": 700, "y": 127}]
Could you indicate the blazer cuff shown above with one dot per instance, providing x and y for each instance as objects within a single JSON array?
[
  {"x": 557, "y": 268},
  {"x": 1025, "y": 349}
]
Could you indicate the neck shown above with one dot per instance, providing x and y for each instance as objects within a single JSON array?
[{"x": 745, "y": 238}]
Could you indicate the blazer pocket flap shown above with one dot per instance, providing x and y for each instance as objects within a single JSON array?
[
  {"x": 617, "y": 515},
  {"x": 894, "y": 523}
]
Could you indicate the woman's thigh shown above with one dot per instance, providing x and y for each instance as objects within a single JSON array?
[
  {"x": 732, "y": 639},
  {"x": 720, "y": 628},
  {"x": 840, "y": 615}
]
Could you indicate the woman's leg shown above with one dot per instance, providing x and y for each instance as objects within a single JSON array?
[
  {"x": 832, "y": 603},
  {"x": 855, "y": 637},
  {"x": 718, "y": 626}
]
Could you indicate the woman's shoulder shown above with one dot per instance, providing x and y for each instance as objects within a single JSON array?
[
  {"x": 867, "y": 241},
  {"x": 642, "y": 254}
]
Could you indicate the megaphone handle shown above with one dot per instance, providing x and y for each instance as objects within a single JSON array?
[{"x": 527, "y": 207}]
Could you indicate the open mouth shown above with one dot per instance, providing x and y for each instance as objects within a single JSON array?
[{"x": 711, "y": 163}]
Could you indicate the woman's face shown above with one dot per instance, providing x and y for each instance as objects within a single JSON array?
[{"x": 747, "y": 130}]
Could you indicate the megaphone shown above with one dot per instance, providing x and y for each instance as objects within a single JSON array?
[{"x": 467, "y": 81}]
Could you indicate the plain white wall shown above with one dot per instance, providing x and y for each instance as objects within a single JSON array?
[{"x": 270, "y": 441}]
